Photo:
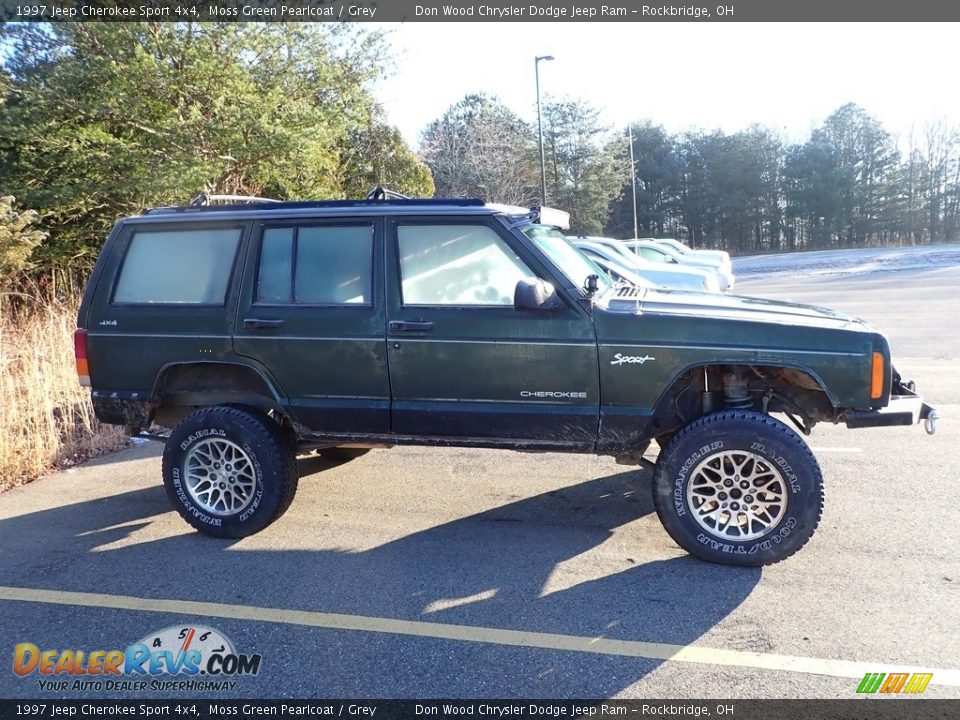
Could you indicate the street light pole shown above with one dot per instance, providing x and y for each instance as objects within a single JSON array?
[
  {"x": 543, "y": 162},
  {"x": 633, "y": 180}
]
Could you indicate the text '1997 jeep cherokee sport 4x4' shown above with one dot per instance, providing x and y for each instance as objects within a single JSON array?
[{"x": 259, "y": 330}]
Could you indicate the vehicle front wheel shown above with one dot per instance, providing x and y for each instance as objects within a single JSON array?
[
  {"x": 739, "y": 488},
  {"x": 228, "y": 471}
]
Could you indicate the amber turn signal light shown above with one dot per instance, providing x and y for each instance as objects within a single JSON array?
[{"x": 876, "y": 376}]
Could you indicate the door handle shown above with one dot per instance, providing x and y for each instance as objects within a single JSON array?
[
  {"x": 407, "y": 326},
  {"x": 258, "y": 324}
]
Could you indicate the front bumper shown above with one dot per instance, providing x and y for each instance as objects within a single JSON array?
[{"x": 905, "y": 408}]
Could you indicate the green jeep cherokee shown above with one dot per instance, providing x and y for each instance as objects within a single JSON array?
[{"x": 260, "y": 330}]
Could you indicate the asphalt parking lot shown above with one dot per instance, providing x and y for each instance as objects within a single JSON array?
[{"x": 474, "y": 573}]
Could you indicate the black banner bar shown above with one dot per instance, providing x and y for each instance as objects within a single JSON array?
[
  {"x": 480, "y": 11},
  {"x": 858, "y": 709}
]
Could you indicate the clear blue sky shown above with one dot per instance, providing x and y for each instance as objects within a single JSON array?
[{"x": 682, "y": 75}]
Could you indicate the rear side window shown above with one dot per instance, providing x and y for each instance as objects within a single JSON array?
[
  {"x": 321, "y": 265},
  {"x": 189, "y": 267}
]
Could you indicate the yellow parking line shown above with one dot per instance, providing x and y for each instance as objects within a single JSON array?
[{"x": 468, "y": 633}]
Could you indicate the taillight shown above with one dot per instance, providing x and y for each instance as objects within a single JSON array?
[
  {"x": 876, "y": 376},
  {"x": 80, "y": 352}
]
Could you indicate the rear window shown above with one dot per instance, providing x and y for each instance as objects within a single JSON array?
[{"x": 188, "y": 267}]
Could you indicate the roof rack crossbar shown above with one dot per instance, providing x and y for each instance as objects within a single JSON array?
[
  {"x": 382, "y": 193},
  {"x": 204, "y": 199}
]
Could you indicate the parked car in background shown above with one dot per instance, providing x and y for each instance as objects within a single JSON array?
[
  {"x": 721, "y": 255},
  {"x": 622, "y": 273},
  {"x": 672, "y": 277},
  {"x": 653, "y": 252},
  {"x": 560, "y": 249}
]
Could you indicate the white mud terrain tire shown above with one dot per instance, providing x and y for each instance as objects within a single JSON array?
[
  {"x": 739, "y": 488},
  {"x": 229, "y": 471}
]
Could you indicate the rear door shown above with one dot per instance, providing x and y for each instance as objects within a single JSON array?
[
  {"x": 311, "y": 314},
  {"x": 463, "y": 362}
]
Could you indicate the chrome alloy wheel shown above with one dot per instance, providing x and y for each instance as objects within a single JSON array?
[
  {"x": 737, "y": 495},
  {"x": 219, "y": 477}
]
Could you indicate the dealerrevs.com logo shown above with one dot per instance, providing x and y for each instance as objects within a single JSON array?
[{"x": 176, "y": 658}]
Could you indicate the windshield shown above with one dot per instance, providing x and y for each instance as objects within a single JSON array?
[
  {"x": 572, "y": 263},
  {"x": 678, "y": 246}
]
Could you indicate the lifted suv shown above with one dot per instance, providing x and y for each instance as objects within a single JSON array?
[{"x": 260, "y": 330}]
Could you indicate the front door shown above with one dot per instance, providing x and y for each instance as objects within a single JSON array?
[{"x": 463, "y": 362}]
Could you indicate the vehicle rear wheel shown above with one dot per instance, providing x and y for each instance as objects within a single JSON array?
[
  {"x": 342, "y": 454},
  {"x": 229, "y": 471},
  {"x": 738, "y": 487}
]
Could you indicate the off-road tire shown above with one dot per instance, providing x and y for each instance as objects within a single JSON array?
[
  {"x": 342, "y": 454},
  {"x": 712, "y": 441},
  {"x": 271, "y": 469}
]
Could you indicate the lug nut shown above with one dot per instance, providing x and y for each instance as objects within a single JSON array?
[
  {"x": 722, "y": 496},
  {"x": 728, "y": 483}
]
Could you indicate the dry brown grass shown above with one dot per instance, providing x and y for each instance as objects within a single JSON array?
[{"x": 46, "y": 420}]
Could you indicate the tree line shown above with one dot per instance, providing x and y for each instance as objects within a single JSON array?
[
  {"x": 848, "y": 185},
  {"x": 102, "y": 120}
]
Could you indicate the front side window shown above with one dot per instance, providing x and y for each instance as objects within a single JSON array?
[
  {"x": 457, "y": 265},
  {"x": 322, "y": 265},
  {"x": 178, "y": 267}
]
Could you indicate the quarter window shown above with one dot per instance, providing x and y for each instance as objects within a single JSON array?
[
  {"x": 322, "y": 265},
  {"x": 190, "y": 267},
  {"x": 457, "y": 265}
]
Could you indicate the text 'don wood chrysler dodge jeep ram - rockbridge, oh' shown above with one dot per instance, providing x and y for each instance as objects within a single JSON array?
[{"x": 260, "y": 330}]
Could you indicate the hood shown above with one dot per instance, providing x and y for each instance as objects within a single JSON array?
[{"x": 729, "y": 307}]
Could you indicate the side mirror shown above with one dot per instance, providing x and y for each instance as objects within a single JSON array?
[
  {"x": 591, "y": 285},
  {"x": 535, "y": 294}
]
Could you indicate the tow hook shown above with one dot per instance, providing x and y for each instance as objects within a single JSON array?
[{"x": 930, "y": 421}]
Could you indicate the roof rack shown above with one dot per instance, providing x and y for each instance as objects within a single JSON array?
[
  {"x": 381, "y": 193},
  {"x": 378, "y": 196},
  {"x": 203, "y": 199}
]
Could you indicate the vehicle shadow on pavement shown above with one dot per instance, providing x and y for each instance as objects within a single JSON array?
[{"x": 501, "y": 568}]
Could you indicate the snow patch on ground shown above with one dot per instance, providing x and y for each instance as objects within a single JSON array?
[{"x": 850, "y": 262}]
